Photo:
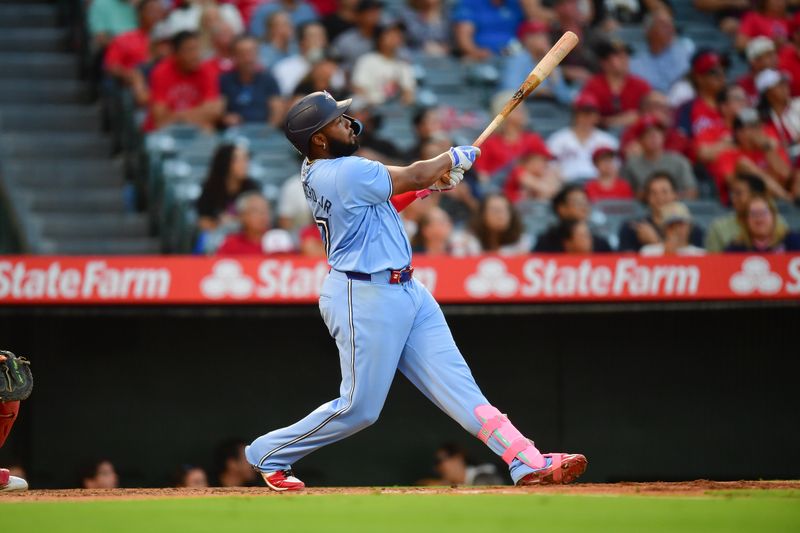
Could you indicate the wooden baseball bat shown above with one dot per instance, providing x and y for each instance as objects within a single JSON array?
[{"x": 544, "y": 68}]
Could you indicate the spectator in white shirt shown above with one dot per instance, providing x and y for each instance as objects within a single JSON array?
[
  {"x": 290, "y": 71},
  {"x": 381, "y": 75},
  {"x": 676, "y": 224},
  {"x": 574, "y": 145}
]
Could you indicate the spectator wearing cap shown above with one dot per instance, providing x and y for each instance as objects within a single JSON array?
[
  {"x": 701, "y": 112},
  {"x": 780, "y": 111},
  {"x": 109, "y": 18},
  {"x": 535, "y": 39},
  {"x": 427, "y": 26},
  {"x": 299, "y": 11},
  {"x": 574, "y": 145},
  {"x": 654, "y": 158},
  {"x": 725, "y": 229},
  {"x": 608, "y": 185},
  {"x": 636, "y": 233},
  {"x": 666, "y": 57},
  {"x": 255, "y": 236},
  {"x": 160, "y": 48},
  {"x": 676, "y": 225},
  {"x": 485, "y": 28},
  {"x": 755, "y": 152},
  {"x": 769, "y": 19},
  {"x": 571, "y": 203},
  {"x": 533, "y": 178},
  {"x": 360, "y": 39},
  {"x": 762, "y": 233},
  {"x": 789, "y": 55},
  {"x": 761, "y": 56},
  {"x": 251, "y": 93},
  {"x": 657, "y": 105},
  {"x": 290, "y": 71},
  {"x": 340, "y": 20},
  {"x": 617, "y": 91},
  {"x": 717, "y": 138},
  {"x": 279, "y": 42},
  {"x": 382, "y": 75},
  {"x": 511, "y": 140},
  {"x": 130, "y": 49},
  {"x": 184, "y": 89}
]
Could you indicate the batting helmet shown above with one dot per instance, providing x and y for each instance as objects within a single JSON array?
[{"x": 310, "y": 114}]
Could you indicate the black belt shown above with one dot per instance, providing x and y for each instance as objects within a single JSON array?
[{"x": 395, "y": 276}]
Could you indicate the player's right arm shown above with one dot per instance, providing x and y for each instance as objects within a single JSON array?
[{"x": 445, "y": 170}]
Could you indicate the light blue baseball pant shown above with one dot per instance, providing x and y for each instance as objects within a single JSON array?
[{"x": 379, "y": 328}]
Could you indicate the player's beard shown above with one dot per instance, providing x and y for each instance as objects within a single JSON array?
[{"x": 343, "y": 149}]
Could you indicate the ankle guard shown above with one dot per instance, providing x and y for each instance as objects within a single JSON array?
[{"x": 496, "y": 424}]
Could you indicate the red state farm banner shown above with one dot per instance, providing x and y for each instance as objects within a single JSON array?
[{"x": 290, "y": 280}]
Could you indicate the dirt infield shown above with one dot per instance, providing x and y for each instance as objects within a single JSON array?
[{"x": 685, "y": 488}]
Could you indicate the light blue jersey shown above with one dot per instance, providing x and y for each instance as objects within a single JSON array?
[{"x": 349, "y": 197}]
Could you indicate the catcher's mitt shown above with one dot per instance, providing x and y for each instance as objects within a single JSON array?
[{"x": 16, "y": 380}]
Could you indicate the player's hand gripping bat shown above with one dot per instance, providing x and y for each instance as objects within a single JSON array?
[{"x": 544, "y": 68}]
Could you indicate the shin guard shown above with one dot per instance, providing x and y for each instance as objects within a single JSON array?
[{"x": 496, "y": 424}]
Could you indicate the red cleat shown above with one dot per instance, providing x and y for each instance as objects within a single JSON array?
[
  {"x": 561, "y": 468},
  {"x": 282, "y": 480}
]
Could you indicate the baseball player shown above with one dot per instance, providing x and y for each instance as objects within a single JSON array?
[
  {"x": 8, "y": 414},
  {"x": 381, "y": 318}
]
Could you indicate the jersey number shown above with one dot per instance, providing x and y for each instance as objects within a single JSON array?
[{"x": 325, "y": 230}]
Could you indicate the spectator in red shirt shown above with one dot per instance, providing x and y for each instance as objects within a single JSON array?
[
  {"x": 608, "y": 185},
  {"x": 502, "y": 149},
  {"x": 701, "y": 115},
  {"x": 618, "y": 92},
  {"x": 311, "y": 244},
  {"x": 771, "y": 19},
  {"x": 184, "y": 89},
  {"x": 534, "y": 178},
  {"x": 780, "y": 111},
  {"x": 789, "y": 56},
  {"x": 761, "y": 56},
  {"x": 717, "y": 139},
  {"x": 255, "y": 236},
  {"x": 130, "y": 49},
  {"x": 656, "y": 104},
  {"x": 754, "y": 153}
]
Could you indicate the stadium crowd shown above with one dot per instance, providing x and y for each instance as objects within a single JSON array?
[{"x": 663, "y": 124}]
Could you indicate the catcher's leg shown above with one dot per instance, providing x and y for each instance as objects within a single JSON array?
[
  {"x": 370, "y": 323},
  {"x": 434, "y": 364},
  {"x": 8, "y": 415}
]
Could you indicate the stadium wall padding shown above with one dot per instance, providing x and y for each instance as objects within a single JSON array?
[{"x": 646, "y": 395}]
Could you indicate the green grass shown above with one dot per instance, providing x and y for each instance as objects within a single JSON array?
[{"x": 410, "y": 513}]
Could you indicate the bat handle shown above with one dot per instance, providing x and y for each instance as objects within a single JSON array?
[{"x": 489, "y": 130}]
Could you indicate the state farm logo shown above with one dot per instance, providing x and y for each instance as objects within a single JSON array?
[
  {"x": 756, "y": 276},
  {"x": 227, "y": 279},
  {"x": 492, "y": 278}
]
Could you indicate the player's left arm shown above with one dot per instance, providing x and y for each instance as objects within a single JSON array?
[{"x": 444, "y": 171}]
